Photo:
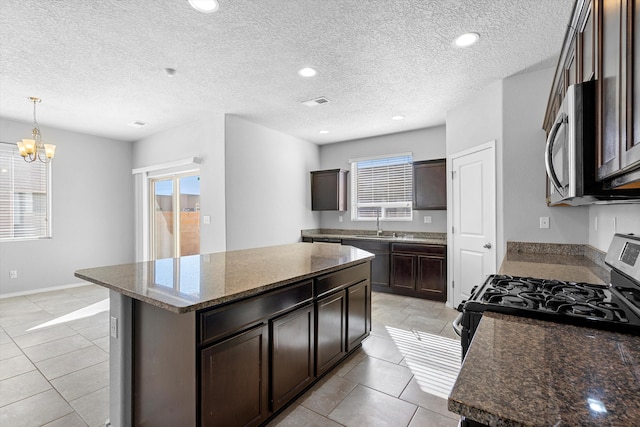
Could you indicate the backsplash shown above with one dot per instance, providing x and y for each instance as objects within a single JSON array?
[{"x": 589, "y": 252}]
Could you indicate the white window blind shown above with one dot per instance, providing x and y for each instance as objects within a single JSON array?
[
  {"x": 382, "y": 187},
  {"x": 24, "y": 196}
]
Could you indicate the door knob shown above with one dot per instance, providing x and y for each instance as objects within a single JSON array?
[{"x": 487, "y": 245}]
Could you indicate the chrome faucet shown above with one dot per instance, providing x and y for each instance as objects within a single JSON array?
[{"x": 378, "y": 227}]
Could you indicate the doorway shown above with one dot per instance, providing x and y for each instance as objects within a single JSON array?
[
  {"x": 174, "y": 222},
  {"x": 473, "y": 231}
]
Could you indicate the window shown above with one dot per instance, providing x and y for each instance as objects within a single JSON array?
[
  {"x": 25, "y": 190},
  {"x": 382, "y": 187}
]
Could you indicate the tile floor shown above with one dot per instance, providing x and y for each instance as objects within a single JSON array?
[{"x": 57, "y": 375}]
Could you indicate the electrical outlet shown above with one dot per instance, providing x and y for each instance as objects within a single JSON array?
[
  {"x": 113, "y": 327},
  {"x": 614, "y": 225},
  {"x": 13, "y": 274},
  {"x": 427, "y": 220},
  {"x": 595, "y": 224},
  {"x": 544, "y": 222},
  {"x": 206, "y": 219}
]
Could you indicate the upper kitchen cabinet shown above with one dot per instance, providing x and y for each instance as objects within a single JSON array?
[
  {"x": 602, "y": 44},
  {"x": 329, "y": 190},
  {"x": 430, "y": 185},
  {"x": 618, "y": 114}
]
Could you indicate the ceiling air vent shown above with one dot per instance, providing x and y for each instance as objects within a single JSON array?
[{"x": 316, "y": 101}]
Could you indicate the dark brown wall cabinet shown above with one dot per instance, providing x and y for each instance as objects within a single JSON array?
[
  {"x": 419, "y": 270},
  {"x": 329, "y": 190},
  {"x": 430, "y": 185},
  {"x": 602, "y": 44}
]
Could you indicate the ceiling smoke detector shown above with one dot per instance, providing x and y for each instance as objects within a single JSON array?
[{"x": 316, "y": 101}]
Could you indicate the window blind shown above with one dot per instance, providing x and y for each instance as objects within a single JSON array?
[
  {"x": 24, "y": 196},
  {"x": 382, "y": 187}
]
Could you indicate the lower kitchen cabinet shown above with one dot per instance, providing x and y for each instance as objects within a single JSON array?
[
  {"x": 330, "y": 345},
  {"x": 259, "y": 354},
  {"x": 358, "y": 310},
  {"x": 292, "y": 354},
  {"x": 419, "y": 270},
  {"x": 379, "y": 265},
  {"x": 234, "y": 375}
]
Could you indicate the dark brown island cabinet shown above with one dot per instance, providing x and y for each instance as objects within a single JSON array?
[
  {"x": 430, "y": 184},
  {"x": 329, "y": 190},
  {"x": 603, "y": 44},
  {"x": 242, "y": 359}
]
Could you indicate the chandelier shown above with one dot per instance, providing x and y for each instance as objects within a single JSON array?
[{"x": 32, "y": 149}]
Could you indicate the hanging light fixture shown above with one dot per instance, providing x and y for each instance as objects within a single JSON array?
[{"x": 32, "y": 149}]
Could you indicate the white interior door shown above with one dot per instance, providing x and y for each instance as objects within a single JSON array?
[{"x": 474, "y": 218}]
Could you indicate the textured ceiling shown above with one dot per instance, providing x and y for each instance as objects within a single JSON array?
[{"x": 98, "y": 65}]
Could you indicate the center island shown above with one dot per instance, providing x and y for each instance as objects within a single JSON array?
[{"x": 230, "y": 338}]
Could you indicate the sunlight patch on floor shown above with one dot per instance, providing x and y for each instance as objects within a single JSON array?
[
  {"x": 434, "y": 360},
  {"x": 87, "y": 311}
]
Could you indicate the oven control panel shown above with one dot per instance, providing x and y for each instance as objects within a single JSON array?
[{"x": 624, "y": 255}]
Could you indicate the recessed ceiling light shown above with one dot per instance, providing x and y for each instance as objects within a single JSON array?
[
  {"x": 324, "y": 132},
  {"x": 397, "y": 118},
  {"x": 137, "y": 124},
  {"x": 307, "y": 72},
  {"x": 467, "y": 39},
  {"x": 204, "y": 6}
]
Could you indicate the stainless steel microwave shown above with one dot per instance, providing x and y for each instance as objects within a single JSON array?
[{"x": 570, "y": 154}]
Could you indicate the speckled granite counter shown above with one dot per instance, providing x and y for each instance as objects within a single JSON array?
[
  {"x": 549, "y": 261},
  {"x": 526, "y": 372},
  {"x": 388, "y": 236},
  {"x": 194, "y": 282}
]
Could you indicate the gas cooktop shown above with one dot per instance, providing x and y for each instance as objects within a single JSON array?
[{"x": 560, "y": 301}]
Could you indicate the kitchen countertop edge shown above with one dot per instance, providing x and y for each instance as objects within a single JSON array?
[{"x": 85, "y": 274}]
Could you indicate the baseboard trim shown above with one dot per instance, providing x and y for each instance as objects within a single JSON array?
[{"x": 37, "y": 291}]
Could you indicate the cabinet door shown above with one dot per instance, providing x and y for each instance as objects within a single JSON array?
[
  {"x": 610, "y": 82},
  {"x": 430, "y": 185},
  {"x": 587, "y": 46},
  {"x": 432, "y": 277},
  {"x": 234, "y": 375},
  {"x": 358, "y": 313},
  {"x": 329, "y": 190},
  {"x": 292, "y": 355},
  {"x": 403, "y": 271},
  {"x": 330, "y": 335},
  {"x": 631, "y": 154}
]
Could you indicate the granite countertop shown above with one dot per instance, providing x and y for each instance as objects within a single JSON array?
[
  {"x": 194, "y": 282},
  {"x": 527, "y": 372},
  {"x": 387, "y": 236},
  {"x": 575, "y": 268}
]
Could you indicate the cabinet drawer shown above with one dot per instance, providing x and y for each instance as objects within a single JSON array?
[
  {"x": 419, "y": 249},
  {"x": 217, "y": 323},
  {"x": 342, "y": 278}
]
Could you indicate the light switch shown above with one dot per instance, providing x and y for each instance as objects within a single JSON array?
[
  {"x": 427, "y": 219},
  {"x": 544, "y": 222}
]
